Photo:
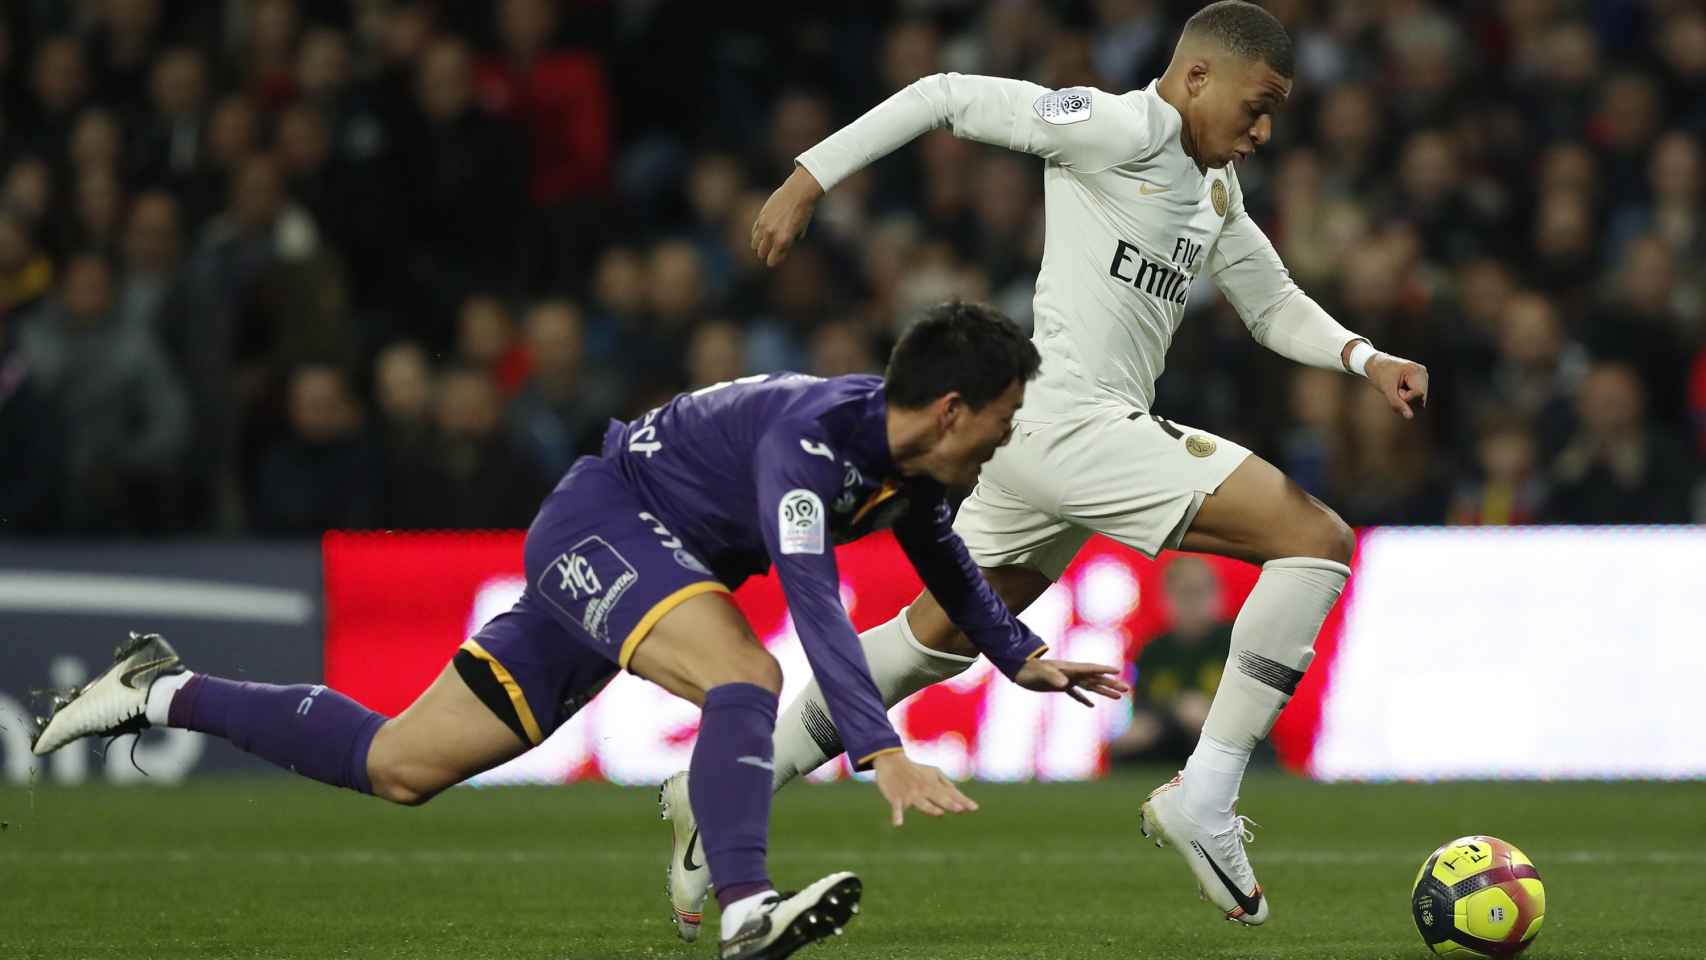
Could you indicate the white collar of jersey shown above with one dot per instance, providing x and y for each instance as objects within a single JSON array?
[{"x": 1172, "y": 122}]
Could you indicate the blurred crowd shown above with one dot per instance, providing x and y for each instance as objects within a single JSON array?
[{"x": 274, "y": 266}]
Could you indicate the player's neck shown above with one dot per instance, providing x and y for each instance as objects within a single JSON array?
[
  {"x": 1172, "y": 91},
  {"x": 911, "y": 434}
]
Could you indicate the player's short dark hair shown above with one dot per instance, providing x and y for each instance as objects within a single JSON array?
[
  {"x": 968, "y": 348},
  {"x": 1248, "y": 31}
]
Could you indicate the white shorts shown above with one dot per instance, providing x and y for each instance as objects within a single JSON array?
[{"x": 1134, "y": 477}]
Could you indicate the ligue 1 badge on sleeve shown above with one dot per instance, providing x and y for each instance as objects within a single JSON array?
[
  {"x": 1217, "y": 193},
  {"x": 1064, "y": 106}
]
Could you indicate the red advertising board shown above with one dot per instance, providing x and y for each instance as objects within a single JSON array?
[{"x": 397, "y": 605}]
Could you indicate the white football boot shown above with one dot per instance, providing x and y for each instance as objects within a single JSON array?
[
  {"x": 1216, "y": 857},
  {"x": 688, "y": 878},
  {"x": 787, "y": 922},
  {"x": 114, "y": 703}
]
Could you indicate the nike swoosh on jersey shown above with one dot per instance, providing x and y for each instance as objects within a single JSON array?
[
  {"x": 1147, "y": 189},
  {"x": 1250, "y": 903},
  {"x": 687, "y": 858},
  {"x": 133, "y": 672},
  {"x": 759, "y": 762}
]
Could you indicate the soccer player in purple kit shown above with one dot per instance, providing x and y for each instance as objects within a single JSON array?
[{"x": 629, "y": 564}]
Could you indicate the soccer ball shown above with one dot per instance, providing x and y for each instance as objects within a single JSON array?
[{"x": 1478, "y": 897}]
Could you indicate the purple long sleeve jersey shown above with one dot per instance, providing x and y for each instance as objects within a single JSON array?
[{"x": 779, "y": 469}]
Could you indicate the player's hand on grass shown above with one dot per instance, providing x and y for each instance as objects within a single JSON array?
[
  {"x": 1400, "y": 380},
  {"x": 906, "y": 784},
  {"x": 1072, "y": 679},
  {"x": 784, "y": 216}
]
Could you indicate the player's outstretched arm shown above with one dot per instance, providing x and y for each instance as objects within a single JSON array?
[
  {"x": 1078, "y": 127},
  {"x": 927, "y": 536},
  {"x": 792, "y": 481},
  {"x": 1287, "y": 321}
]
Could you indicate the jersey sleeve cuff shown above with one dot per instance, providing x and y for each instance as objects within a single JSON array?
[
  {"x": 867, "y": 761},
  {"x": 1010, "y": 665}
]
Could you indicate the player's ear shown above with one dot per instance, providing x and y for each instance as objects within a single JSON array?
[
  {"x": 949, "y": 407},
  {"x": 1196, "y": 78}
]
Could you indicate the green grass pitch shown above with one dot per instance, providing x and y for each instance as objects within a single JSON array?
[{"x": 268, "y": 868}]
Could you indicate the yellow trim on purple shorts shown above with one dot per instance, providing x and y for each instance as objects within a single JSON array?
[
  {"x": 534, "y": 734},
  {"x": 656, "y": 613}
]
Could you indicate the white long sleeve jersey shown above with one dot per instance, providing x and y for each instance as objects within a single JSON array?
[{"x": 1130, "y": 218}]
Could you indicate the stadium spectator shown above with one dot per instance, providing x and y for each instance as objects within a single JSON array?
[
  {"x": 1511, "y": 487},
  {"x": 59, "y": 84},
  {"x": 32, "y": 433},
  {"x": 471, "y": 476},
  {"x": 403, "y": 397},
  {"x": 486, "y": 338},
  {"x": 26, "y": 272},
  {"x": 465, "y": 176},
  {"x": 1311, "y": 445},
  {"x": 152, "y": 246},
  {"x": 30, "y": 188},
  {"x": 98, "y": 212},
  {"x": 232, "y": 134},
  {"x": 96, "y": 142},
  {"x": 562, "y": 99},
  {"x": 1620, "y": 467},
  {"x": 127, "y": 414},
  {"x": 563, "y": 406},
  {"x": 265, "y": 49},
  {"x": 324, "y": 473},
  {"x": 124, "y": 41},
  {"x": 1537, "y": 371},
  {"x": 1387, "y": 475},
  {"x": 170, "y": 141},
  {"x": 840, "y": 348},
  {"x": 715, "y": 354},
  {"x": 1177, "y": 671}
]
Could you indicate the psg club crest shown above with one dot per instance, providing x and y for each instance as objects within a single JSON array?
[{"x": 1217, "y": 193}]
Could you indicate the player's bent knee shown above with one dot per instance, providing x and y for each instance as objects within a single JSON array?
[
  {"x": 1329, "y": 537},
  {"x": 760, "y": 669},
  {"x": 402, "y": 786},
  {"x": 399, "y": 779},
  {"x": 931, "y": 628}
]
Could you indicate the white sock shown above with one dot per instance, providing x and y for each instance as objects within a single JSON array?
[
  {"x": 160, "y": 693},
  {"x": 1273, "y": 641},
  {"x": 901, "y": 666},
  {"x": 735, "y": 913}
]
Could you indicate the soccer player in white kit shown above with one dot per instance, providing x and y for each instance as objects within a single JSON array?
[{"x": 1140, "y": 195}]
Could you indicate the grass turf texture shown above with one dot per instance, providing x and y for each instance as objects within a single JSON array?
[{"x": 272, "y": 868}]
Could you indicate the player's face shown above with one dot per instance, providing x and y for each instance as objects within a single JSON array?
[
  {"x": 1235, "y": 106},
  {"x": 971, "y": 437}
]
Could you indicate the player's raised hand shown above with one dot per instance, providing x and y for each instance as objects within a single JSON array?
[
  {"x": 1400, "y": 380},
  {"x": 1072, "y": 679},
  {"x": 784, "y": 216},
  {"x": 906, "y": 784}
]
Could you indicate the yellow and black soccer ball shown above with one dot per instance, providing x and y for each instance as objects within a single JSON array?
[{"x": 1478, "y": 897}]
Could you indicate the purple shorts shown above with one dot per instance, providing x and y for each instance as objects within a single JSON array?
[{"x": 601, "y": 572}]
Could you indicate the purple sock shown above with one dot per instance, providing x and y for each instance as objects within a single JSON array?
[
  {"x": 729, "y": 787},
  {"x": 311, "y": 730}
]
